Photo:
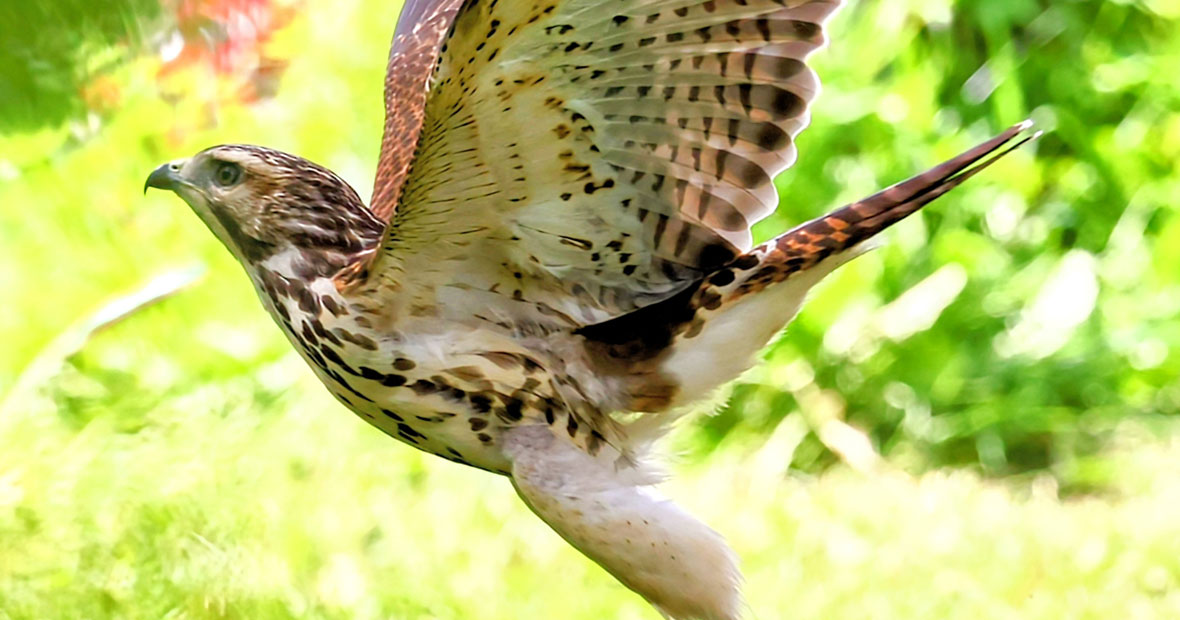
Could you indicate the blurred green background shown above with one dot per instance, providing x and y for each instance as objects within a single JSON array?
[{"x": 977, "y": 420}]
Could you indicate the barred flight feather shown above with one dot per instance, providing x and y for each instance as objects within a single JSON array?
[{"x": 610, "y": 154}]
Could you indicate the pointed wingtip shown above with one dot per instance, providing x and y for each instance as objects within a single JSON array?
[
  {"x": 1013, "y": 133},
  {"x": 1022, "y": 127},
  {"x": 1016, "y": 130}
]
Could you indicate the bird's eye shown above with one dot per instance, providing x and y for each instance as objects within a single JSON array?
[{"x": 227, "y": 174}]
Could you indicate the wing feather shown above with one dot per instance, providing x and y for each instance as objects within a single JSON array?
[
  {"x": 592, "y": 158},
  {"x": 421, "y": 29}
]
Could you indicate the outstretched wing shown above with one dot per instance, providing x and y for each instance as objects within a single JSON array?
[{"x": 579, "y": 159}]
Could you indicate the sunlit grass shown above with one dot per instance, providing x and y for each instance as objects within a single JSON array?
[{"x": 236, "y": 504}]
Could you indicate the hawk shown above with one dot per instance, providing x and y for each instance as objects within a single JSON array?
[{"x": 557, "y": 257}]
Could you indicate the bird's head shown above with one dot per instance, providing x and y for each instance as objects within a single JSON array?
[{"x": 261, "y": 203}]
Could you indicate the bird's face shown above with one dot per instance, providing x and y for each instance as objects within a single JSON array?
[{"x": 260, "y": 202}]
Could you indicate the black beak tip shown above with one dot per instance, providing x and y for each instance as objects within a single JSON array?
[{"x": 163, "y": 177}]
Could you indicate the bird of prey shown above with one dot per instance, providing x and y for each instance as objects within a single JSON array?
[{"x": 557, "y": 257}]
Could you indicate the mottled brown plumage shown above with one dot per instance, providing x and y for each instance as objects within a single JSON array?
[
  {"x": 559, "y": 239},
  {"x": 420, "y": 31}
]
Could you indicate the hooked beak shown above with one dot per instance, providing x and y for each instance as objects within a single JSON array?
[{"x": 165, "y": 177}]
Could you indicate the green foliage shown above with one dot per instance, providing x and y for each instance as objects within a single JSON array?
[
  {"x": 184, "y": 464},
  {"x": 49, "y": 50},
  {"x": 1066, "y": 322}
]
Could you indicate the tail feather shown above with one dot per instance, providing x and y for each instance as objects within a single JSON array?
[{"x": 853, "y": 224}]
